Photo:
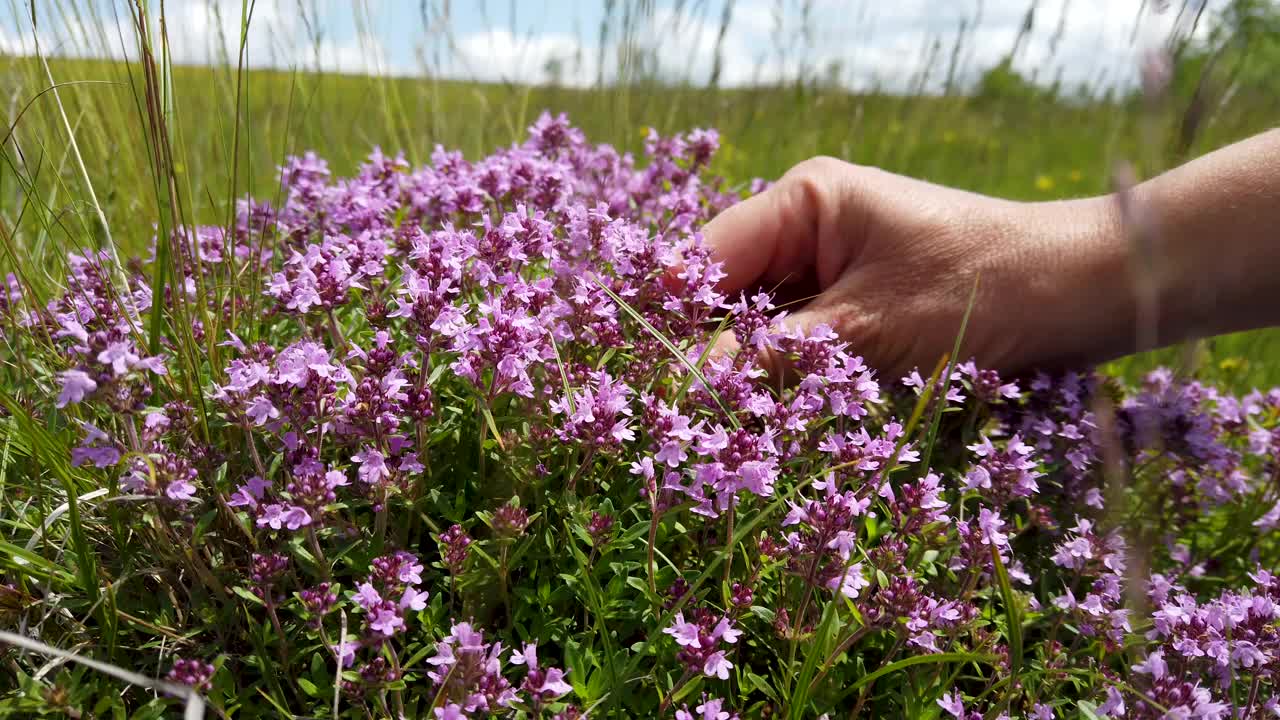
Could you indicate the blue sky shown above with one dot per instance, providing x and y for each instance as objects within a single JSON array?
[{"x": 872, "y": 42}]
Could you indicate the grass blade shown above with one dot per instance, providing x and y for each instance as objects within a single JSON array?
[
  {"x": 29, "y": 563},
  {"x": 1013, "y": 617},
  {"x": 194, "y": 703},
  {"x": 84, "y": 171},
  {"x": 45, "y": 448},
  {"x": 893, "y": 667},
  {"x": 675, "y": 351},
  {"x": 799, "y": 701},
  {"x": 936, "y": 420}
]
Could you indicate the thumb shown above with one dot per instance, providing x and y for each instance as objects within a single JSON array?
[{"x": 778, "y": 234}]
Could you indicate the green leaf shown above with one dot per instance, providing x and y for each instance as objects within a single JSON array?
[
  {"x": 244, "y": 593},
  {"x": 639, "y": 584},
  {"x": 919, "y": 660},
  {"x": 417, "y": 657},
  {"x": 579, "y": 671},
  {"x": 475, "y": 548},
  {"x": 284, "y": 712},
  {"x": 761, "y": 684},
  {"x": 25, "y": 561},
  {"x": 688, "y": 689},
  {"x": 815, "y": 653},
  {"x": 882, "y": 580},
  {"x": 493, "y": 427},
  {"x": 197, "y": 533}
]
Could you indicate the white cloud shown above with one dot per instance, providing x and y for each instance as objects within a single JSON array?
[
  {"x": 365, "y": 55},
  {"x": 15, "y": 44},
  {"x": 684, "y": 48},
  {"x": 500, "y": 56},
  {"x": 208, "y": 32},
  {"x": 91, "y": 34},
  {"x": 872, "y": 43},
  {"x": 887, "y": 44},
  {"x": 668, "y": 45}
]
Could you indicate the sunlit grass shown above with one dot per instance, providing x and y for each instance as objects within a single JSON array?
[
  {"x": 1025, "y": 145},
  {"x": 1004, "y": 147}
]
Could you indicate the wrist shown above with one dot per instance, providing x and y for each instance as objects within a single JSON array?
[
  {"x": 1200, "y": 236},
  {"x": 1074, "y": 300}
]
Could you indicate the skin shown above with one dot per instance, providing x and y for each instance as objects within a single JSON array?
[{"x": 890, "y": 262}]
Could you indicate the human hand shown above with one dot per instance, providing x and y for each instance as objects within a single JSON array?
[{"x": 890, "y": 264}]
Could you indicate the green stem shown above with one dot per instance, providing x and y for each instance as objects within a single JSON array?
[
  {"x": 653, "y": 535},
  {"x": 396, "y": 695},
  {"x": 314, "y": 542},
  {"x": 502, "y": 583},
  {"x": 829, "y": 662},
  {"x": 283, "y": 647},
  {"x": 728, "y": 542},
  {"x": 666, "y": 701}
]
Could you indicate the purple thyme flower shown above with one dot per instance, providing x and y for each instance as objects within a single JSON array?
[
  {"x": 76, "y": 384},
  {"x": 544, "y": 684},
  {"x": 191, "y": 672},
  {"x": 699, "y": 642}
]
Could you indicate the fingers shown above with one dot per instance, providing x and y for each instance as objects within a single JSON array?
[
  {"x": 800, "y": 237},
  {"x": 777, "y": 235},
  {"x": 745, "y": 237}
]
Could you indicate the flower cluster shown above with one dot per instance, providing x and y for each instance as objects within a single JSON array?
[
  {"x": 191, "y": 672},
  {"x": 700, "y": 642},
  {"x": 454, "y": 440},
  {"x": 468, "y": 672},
  {"x": 390, "y": 593}
]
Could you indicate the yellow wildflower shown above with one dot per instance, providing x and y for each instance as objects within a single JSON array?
[{"x": 1233, "y": 364}]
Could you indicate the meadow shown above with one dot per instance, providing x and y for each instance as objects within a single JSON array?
[
  {"x": 1021, "y": 144},
  {"x": 309, "y": 429}
]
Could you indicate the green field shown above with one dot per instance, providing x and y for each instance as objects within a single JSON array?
[
  {"x": 170, "y": 478},
  {"x": 230, "y": 130}
]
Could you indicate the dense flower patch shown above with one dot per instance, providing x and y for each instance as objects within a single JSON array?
[{"x": 448, "y": 441}]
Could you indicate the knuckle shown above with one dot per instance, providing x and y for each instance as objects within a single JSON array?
[
  {"x": 808, "y": 185},
  {"x": 817, "y": 166},
  {"x": 816, "y": 185},
  {"x": 810, "y": 192}
]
